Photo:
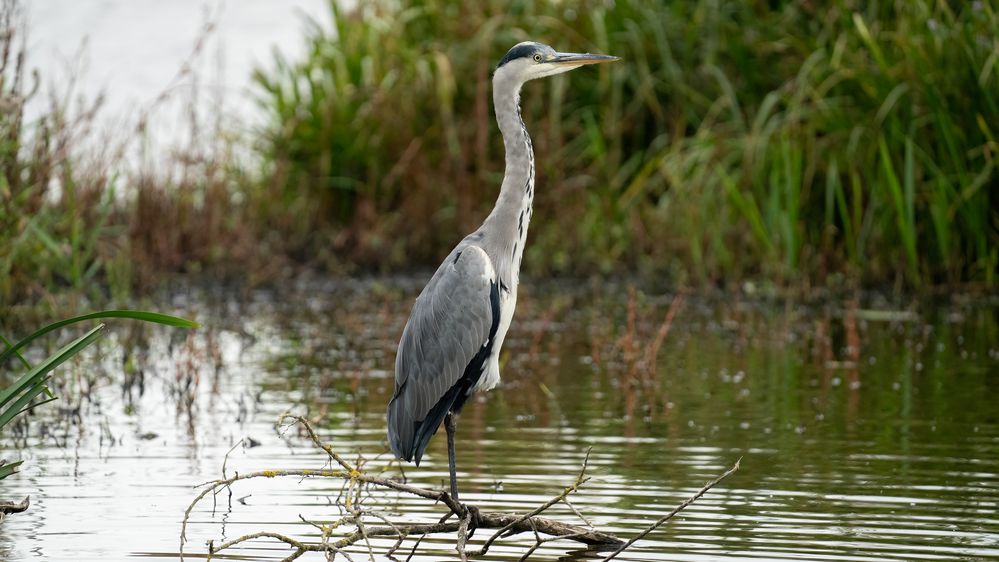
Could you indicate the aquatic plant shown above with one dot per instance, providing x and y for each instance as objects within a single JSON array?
[
  {"x": 35, "y": 242},
  {"x": 22, "y": 395}
]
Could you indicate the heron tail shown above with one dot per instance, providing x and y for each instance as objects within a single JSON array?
[{"x": 424, "y": 430}]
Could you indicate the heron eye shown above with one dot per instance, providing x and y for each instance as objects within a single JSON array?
[{"x": 537, "y": 57}]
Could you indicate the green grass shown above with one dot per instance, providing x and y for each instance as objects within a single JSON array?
[
  {"x": 77, "y": 218},
  {"x": 733, "y": 139},
  {"x": 47, "y": 245},
  {"x": 842, "y": 143}
]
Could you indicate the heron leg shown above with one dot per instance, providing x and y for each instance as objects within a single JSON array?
[{"x": 449, "y": 427}]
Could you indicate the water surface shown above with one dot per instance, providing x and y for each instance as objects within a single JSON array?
[
  {"x": 868, "y": 430},
  {"x": 133, "y": 53}
]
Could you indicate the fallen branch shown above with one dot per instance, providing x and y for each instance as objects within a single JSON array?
[
  {"x": 7, "y": 507},
  {"x": 577, "y": 533},
  {"x": 368, "y": 523}
]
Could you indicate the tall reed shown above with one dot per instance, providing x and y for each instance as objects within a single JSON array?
[
  {"x": 848, "y": 143},
  {"x": 739, "y": 139}
]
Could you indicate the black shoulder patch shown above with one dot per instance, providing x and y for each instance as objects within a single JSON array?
[{"x": 517, "y": 52}]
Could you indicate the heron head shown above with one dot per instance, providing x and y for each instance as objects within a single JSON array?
[{"x": 530, "y": 60}]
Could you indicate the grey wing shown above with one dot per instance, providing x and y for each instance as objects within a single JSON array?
[{"x": 443, "y": 348}]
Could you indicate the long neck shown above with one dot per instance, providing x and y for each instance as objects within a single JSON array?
[{"x": 506, "y": 227}]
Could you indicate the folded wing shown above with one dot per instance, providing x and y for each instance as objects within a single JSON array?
[{"x": 444, "y": 349}]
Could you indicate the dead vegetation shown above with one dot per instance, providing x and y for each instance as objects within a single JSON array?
[{"x": 363, "y": 514}]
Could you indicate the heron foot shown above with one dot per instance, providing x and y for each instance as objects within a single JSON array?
[{"x": 474, "y": 517}]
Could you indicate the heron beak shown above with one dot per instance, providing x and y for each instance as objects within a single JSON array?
[{"x": 579, "y": 59}]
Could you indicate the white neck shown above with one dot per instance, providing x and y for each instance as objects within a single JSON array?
[{"x": 505, "y": 230}]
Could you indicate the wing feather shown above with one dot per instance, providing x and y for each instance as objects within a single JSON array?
[{"x": 447, "y": 331}]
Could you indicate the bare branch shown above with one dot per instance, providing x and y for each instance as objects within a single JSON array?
[
  {"x": 582, "y": 517},
  {"x": 675, "y": 510},
  {"x": 225, "y": 460},
  {"x": 539, "y": 540},
  {"x": 14, "y": 507},
  {"x": 512, "y": 526},
  {"x": 356, "y": 490},
  {"x": 463, "y": 535},
  {"x": 315, "y": 440},
  {"x": 299, "y": 546}
]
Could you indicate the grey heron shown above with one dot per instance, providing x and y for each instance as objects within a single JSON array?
[{"x": 451, "y": 344}]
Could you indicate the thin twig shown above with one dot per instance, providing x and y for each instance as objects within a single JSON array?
[
  {"x": 675, "y": 510},
  {"x": 573, "y": 509},
  {"x": 537, "y": 543},
  {"x": 315, "y": 440},
  {"x": 364, "y": 534},
  {"x": 214, "y": 485},
  {"x": 542, "y": 540},
  {"x": 386, "y": 520},
  {"x": 225, "y": 459},
  {"x": 262, "y": 534},
  {"x": 423, "y": 535},
  {"x": 580, "y": 480}
]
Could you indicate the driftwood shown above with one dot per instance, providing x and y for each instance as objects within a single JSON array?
[
  {"x": 13, "y": 507},
  {"x": 364, "y": 522}
]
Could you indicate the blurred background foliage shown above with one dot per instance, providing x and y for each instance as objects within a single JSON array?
[{"x": 800, "y": 143}]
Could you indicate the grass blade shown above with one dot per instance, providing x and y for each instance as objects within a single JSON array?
[
  {"x": 21, "y": 404},
  {"x": 905, "y": 229},
  {"x": 32, "y": 381},
  {"x": 155, "y": 317},
  {"x": 6, "y": 469},
  {"x": 20, "y": 357}
]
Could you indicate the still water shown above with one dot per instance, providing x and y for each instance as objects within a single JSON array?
[
  {"x": 868, "y": 430},
  {"x": 135, "y": 56}
]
